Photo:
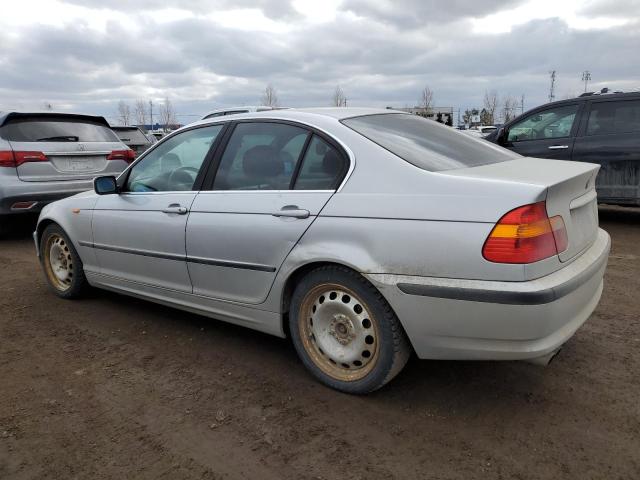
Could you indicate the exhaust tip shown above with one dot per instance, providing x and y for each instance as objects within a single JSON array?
[{"x": 544, "y": 360}]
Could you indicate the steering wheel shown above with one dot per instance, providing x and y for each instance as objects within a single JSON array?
[{"x": 181, "y": 177}]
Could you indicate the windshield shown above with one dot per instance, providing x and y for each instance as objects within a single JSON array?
[
  {"x": 63, "y": 129},
  {"x": 425, "y": 143}
]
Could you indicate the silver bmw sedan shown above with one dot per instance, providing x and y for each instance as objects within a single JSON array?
[{"x": 364, "y": 235}]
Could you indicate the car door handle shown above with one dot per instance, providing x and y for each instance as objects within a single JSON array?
[
  {"x": 292, "y": 211},
  {"x": 558, "y": 147},
  {"x": 175, "y": 208}
]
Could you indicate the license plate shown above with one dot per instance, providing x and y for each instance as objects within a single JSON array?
[{"x": 80, "y": 165}]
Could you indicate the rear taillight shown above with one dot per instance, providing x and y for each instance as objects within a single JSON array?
[
  {"x": 15, "y": 159},
  {"x": 126, "y": 155},
  {"x": 526, "y": 235},
  {"x": 7, "y": 159}
]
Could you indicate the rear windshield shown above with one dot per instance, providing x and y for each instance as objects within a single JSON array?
[
  {"x": 133, "y": 136},
  {"x": 64, "y": 129},
  {"x": 426, "y": 143}
]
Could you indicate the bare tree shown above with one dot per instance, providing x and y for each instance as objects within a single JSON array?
[
  {"x": 270, "y": 96},
  {"x": 339, "y": 98},
  {"x": 124, "y": 113},
  {"x": 141, "y": 112},
  {"x": 167, "y": 114},
  {"x": 510, "y": 108},
  {"x": 490, "y": 107},
  {"x": 426, "y": 100}
]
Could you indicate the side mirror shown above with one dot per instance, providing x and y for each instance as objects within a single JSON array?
[
  {"x": 105, "y": 185},
  {"x": 501, "y": 137}
]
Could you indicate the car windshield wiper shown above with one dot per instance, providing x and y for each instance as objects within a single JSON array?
[{"x": 59, "y": 138}]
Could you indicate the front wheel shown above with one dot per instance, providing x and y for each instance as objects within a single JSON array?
[
  {"x": 61, "y": 264},
  {"x": 345, "y": 332}
]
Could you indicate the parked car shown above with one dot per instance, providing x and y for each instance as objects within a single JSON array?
[
  {"x": 367, "y": 234},
  {"x": 48, "y": 156},
  {"x": 602, "y": 128},
  {"x": 480, "y": 131},
  {"x": 221, "y": 112},
  {"x": 133, "y": 137}
]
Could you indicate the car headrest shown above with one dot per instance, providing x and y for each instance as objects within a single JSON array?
[
  {"x": 170, "y": 161},
  {"x": 262, "y": 161},
  {"x": 332, "y": 163}
]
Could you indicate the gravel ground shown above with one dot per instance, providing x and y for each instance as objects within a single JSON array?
[{"x": 114, "y": 387}]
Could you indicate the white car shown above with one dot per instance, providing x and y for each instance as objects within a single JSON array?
[
  {"x": 481, "y": 131},
  {"x": 364, "y": 234}
]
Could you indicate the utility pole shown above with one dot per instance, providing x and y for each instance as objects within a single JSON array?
[
  {"x": 150, "y": 114},
  {"x": 586, "y": 77},
  {"x": 553, "y": 85},
  {"x": 522, "y": 103}
]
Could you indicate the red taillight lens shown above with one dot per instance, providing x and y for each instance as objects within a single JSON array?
[
  {"x": 126, "y": 155},
  {"x": 7, "y": 159},
  {"x": 15, "y": 159},
  {"x": 25, "y": 157},
  {"x": 526, "y": 235}
]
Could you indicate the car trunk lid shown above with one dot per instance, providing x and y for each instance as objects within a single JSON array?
[
  {"x": 65, "y": 160},
  {"x": 570, "y": 193},
  {"x": 58, "y": 146}
]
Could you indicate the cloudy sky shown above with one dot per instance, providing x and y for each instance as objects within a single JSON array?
[{"x": 86, "y": 55}]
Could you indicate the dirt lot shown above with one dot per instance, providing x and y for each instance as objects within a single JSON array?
[{"x": 113, "y": 387}]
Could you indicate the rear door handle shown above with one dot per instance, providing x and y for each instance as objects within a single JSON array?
[
  {"x": 558, "y": 147},
  {"x": 175, "y": 208},
  {"x": 292, "y": 211}
]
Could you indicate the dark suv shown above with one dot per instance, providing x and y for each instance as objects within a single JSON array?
[{"x": 600, "y": 127}]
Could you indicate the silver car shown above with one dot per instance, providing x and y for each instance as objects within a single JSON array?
[
  {"x": 364, "y": 234},
  {"x": 48, "y": 156}
]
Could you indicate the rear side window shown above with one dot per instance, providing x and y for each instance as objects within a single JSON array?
[
  {"x": 260, "y": 156},
  {"x": 322, "y": 167},
  {"x": 63, "y": 129},
  {"x": 614, "y": 117},
  {"x": 425, "y": 143}
]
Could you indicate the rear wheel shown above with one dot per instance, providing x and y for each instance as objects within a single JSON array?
[
  {"x": 61, "y": 264},
  {"x": 345, "y": 332}
]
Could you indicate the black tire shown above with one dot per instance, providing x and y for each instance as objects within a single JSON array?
[
  {"x": 392, "y": 348},
  {"x": 75, "y": 284}
]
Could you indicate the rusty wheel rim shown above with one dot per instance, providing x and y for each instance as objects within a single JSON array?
[
  {"x": 339, "y": 332},
  {"x": 58, "y": 262}
]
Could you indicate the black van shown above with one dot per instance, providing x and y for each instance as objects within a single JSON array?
[{"x": 600, "y": 127}]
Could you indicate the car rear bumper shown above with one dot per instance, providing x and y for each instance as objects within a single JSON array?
[
  {"x": 485, "y": 320},
  {"x": 40, "y": 193}
]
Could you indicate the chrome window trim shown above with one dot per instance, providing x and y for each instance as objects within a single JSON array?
[{"x": 221, "y": 120}]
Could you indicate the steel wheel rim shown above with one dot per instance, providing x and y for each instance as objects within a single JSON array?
[
  {"x": 339, "y": 332},
  {"x": 58, "y": 262}
]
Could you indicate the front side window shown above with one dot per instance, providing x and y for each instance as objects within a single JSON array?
[
  {"x": 260, "y": 156},
  {"x": 552, "y": 123},
  {"x": 427, "y": 144},
  {"x": 175, "y": 164},
  {"x": 322, "y": 167},
  {"x": 614, "y": 117}
]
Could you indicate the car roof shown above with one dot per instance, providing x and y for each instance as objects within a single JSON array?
[
  {"x": 594, "y": 96},
  {"x": 304, "y": 115},
  {"x": 8, "y": 115}
]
